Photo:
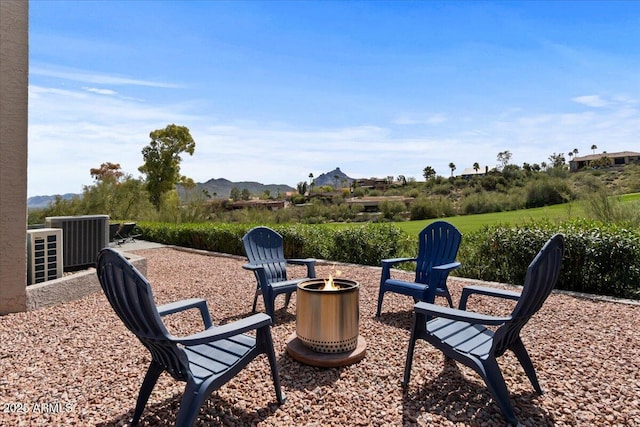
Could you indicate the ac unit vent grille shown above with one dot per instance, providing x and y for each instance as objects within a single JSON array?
[
  {"x": 83, "y": 237},
  {"x": 44, "y": 255}
]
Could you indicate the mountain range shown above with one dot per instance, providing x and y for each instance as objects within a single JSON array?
[{"x": 221, "y": 188}]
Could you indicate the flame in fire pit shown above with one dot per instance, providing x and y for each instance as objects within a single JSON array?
[{"x": 328, "y": 283}]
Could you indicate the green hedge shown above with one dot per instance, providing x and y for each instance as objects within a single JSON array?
[
  {"x": 600, "y": 259},
  {"x": 364, "y": 244}
]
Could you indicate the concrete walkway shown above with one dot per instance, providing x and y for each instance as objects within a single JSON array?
[{"x": 135, "y": 245}]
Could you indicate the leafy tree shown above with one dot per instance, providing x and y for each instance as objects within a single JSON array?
[
  {"x": 602, "y": 162},
  {"x": 115, "y": 193},
  {"x": 503, "y": 158},
  {"x": 107, "y": 172},
  {"x": 162, "y": 161},
  {"x": 452, "y": 166},
  {"x": 246, "y": 194},
  {"x": 428, "y": 172},
  {"x": 302, "y": 188},
  {"x": 235, "y": 194},
  {"x": 402, "y": 180},
  {"x": 557, "y": 160}
]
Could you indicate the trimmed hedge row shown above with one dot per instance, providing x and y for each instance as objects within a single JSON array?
[
  {"x": 601, "y": 259},
  {"x": 365, "y": 244}
]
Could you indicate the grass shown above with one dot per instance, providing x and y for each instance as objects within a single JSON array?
[{"x": 470, "y": 223}]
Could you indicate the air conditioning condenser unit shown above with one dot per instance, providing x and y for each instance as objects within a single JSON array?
[{"x": 44, "y": 255}]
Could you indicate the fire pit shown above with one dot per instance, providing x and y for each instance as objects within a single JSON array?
[{"x": 327, "y": 323}]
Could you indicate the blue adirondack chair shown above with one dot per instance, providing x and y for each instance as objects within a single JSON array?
[
  {"x": 438, "y": 246},
  {"x": 204, "y": 360},
  {"x": 265, "y": 250},
  {"x": 463, "y": 336}
]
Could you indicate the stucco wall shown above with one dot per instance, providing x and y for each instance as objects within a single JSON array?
[{"x": 14, "y": 69}]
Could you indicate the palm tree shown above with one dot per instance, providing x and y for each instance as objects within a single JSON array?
[
  {"x": 476, "y": 167},
  {"x": 575, "y": 151},
  {"x": 594, "y": 147},
  {"x": 311, "y": 183},
  {"x": 452, "y": 166}
]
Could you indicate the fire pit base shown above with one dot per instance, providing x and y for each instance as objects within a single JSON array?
[{"x": 304, "y": 354}]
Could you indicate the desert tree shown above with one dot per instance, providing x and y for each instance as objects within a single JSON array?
[
  {"x": 162, "y": 158},
  {"x": 302, "y": 188},
  {"x": 428, "y": 172},
  {"x": 503, "y": 158},
  {"x": 557, "y": 160}
]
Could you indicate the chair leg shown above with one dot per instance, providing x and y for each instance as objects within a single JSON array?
[
  {"x": 523, "y": 357},
  {"x": 255, "y": 300},
  {"x": 194, "y": 396},
  {"x": 269, "y": 304},
  {"x": 495, "y": 382},
  {"x": 153, "y": 372},
  {"x": 265, "y": 337},
  {"x": 287, "y": 299},
  {"x": 412, "y": 346},
  {"x": 447, "y": 295},
  {"x": 380, "y": 297}
]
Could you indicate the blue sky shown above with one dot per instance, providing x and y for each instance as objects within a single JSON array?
[{"x": 275, "y": 90}]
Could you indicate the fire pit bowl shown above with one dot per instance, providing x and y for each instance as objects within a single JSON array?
[{"x": 327, "y": 320}]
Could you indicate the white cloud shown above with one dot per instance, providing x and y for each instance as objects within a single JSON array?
[
  {"x": 591, "y": 101},
  {"x": 100, "y": 91},
  {"x": 94, "y": 77},
  {"x": 72, "y": 131},
  {"x": 420, "y": 119}
]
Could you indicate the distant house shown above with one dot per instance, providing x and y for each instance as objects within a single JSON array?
[
  {"x": 617, "y": 159},
  {"x": 371, "y": 203},
  {"x": 373, "y": 183},
  {"x": 471, "y": 172},
  {"x": 255, "y": 203}
]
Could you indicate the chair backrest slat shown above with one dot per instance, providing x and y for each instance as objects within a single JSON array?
[
  {"x": 542, "y": 276},
  {"x": 438, "y": 244},
  {"x": 129, "y": 293},
  {"x": 264, "y": 246}
]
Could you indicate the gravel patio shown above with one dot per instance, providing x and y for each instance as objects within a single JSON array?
[{"x": 76, "y": 364}]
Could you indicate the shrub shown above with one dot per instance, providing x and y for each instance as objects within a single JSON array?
[
  {"x": 427, "y": 208},
  {"x": 599, "y": 258},
  {"x": 363, "y": 244},
  {"x": 547, "y": 191},
  {"x": 366, "y": 244},
  {"x": 392, "y": 209}
]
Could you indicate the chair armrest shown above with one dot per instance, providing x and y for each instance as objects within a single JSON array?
[
  {"x": 447, "y": 267},
  {"x": 386, "y": 267},
  {"x": 301, "y": 261},
  {"x": 216, "y": 333},
  {"x": 177, "y": 306},
  {"x": 392, "y": 261},
  {"x": 309, "y": 262},
  {"x": 433, "y": 310},
  {"x": 485, "y": 290},
  {"x": 252, "y": 267}
]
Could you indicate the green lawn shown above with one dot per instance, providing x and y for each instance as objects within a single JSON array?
[{"x": 471, "y": 223}]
